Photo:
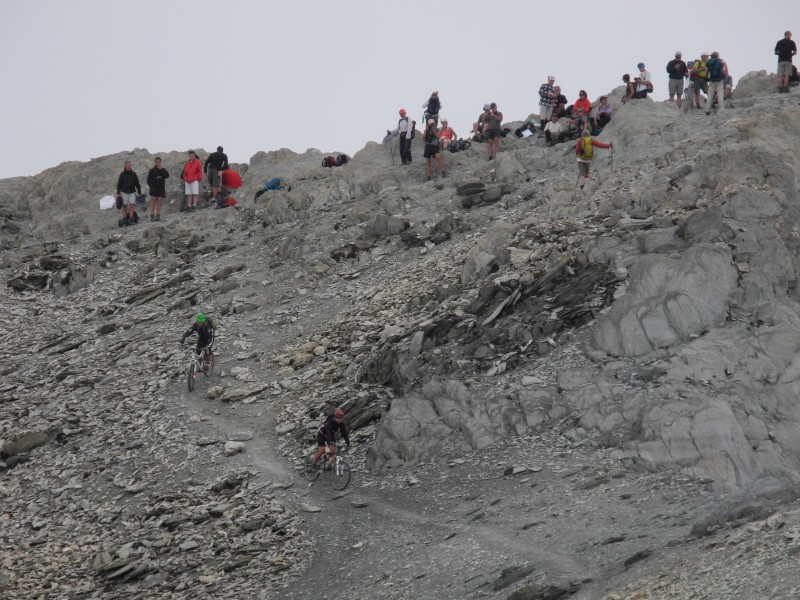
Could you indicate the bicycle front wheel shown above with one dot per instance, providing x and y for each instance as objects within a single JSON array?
[
  {"x": 340, "y": 475},
  {"x": 310, "y": 470},
  {"x": 190, "y": 376},
  {"x": 208, "y": 366}
]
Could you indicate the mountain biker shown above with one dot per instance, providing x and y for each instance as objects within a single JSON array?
[
  {"x": 326, "y": 433},
  {"x": 205, "y": 335}
]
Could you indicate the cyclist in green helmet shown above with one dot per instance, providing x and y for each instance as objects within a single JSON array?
[{"x": 205, "y": 333}]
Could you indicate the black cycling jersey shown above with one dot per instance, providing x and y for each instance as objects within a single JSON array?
[
  {"x": 205, "y": 334},
  {"x": 329, "y": 429}
]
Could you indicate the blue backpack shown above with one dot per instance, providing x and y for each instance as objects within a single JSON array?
[
  {"x": 273, "y": 184},
  {"x": 714, "y": 69}
]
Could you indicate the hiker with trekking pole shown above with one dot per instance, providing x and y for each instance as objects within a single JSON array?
[
  {"x": 405, "y": 127},
  {"x": 584, "y": 152}
]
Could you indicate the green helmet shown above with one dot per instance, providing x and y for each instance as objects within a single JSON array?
[{"x": 201, "y": 318}]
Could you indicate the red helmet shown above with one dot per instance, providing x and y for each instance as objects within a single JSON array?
[
  {"x": 339, "y": 413},
  {"x": 402, "y": 111}
]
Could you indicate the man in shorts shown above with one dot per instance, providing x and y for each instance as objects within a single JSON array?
[
  {"x": 214, "y": 165},
  {"x": 192, "y": 176},
  {"x": 697, "y": 74},
  {"x": 547, "y": 93},
  {"x": 785, "y": 49},
  {"x": 494, "y": 130},
  {"x": 677, "y": 70},
  {"x": 128, "y": 188}
]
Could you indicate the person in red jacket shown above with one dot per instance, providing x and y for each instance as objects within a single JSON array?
[
  {"x": 584, "y": 152},
  {"x": 192, "y": 176}
]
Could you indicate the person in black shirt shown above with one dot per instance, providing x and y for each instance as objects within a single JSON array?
[
  {"x": 215, "y": 164},
  {"x": 326, "y": 435},
  {"x": 205, "y": 334},
  {"x": 677, "y": 70},
  {"x": 127, "y": 189},
  {"x": 158, "y": 189},
  {"x": 785, "y": 49}
]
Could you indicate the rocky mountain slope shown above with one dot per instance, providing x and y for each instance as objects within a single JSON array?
[{"x": 553, "y": 392}]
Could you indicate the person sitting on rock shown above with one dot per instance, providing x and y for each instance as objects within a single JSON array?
[
  {"x": 559, "y": 103},
  {"x": 326, "y": 435},
  {"x": 630, "y": 89},
  {"x": 601, "y": 116},
  {"x": 554, "y": 131},
  {"x": 447, "y": 135},
  {"x": 205, "y": 335},
  {"x": 479, "y": 126},
  {"x": 581, "y": 103},
  {"x": 584, "y": 153},
  {"x": 432, "y": 148}
]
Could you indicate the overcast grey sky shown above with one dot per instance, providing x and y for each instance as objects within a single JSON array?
[{"x": 86, "y": 78}]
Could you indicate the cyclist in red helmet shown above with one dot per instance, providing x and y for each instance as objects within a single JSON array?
[{"x": 326, "y": 435}]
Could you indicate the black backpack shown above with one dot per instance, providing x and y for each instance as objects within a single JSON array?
[
  {"x": 459, "y": 146},
  {"x": 342, "y": 159}
]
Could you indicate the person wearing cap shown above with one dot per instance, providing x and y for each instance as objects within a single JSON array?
[
  {"x": 601, "y": 115},
  {"x": 676, "y": 70},
  {"x": 215, "y": 164},
  {"x": 405, "y": 127},
  {"x": 717, "y": 70},
  {"x": 494, "y": 130},
  {"x": 697, "y": 75},
  {"x": 479, "y": 126},
  {"x": 547, "y": 94},
  {"x": 432, "y": 148},
  {"x": 447, "y": 135},
  {"x": 642, "y": 82}
]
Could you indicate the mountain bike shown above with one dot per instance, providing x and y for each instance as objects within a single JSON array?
[
  {"x": 339, "y": 470},
  {"x": 203, "y": 362}
]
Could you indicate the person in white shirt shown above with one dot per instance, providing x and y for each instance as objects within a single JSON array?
[{"x": 642, "y": 82}]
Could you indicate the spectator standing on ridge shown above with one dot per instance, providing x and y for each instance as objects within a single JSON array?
[
  {"x": 677, "y": 70},
  {"x": 785, "y": 49},
  {"x": 547, "y": 94},
  {"x": 698, "y": 77},
  {"x": 192, "y": 175},
  {"x": 494, "y": 130},
  {"x": 158, "y": 189},
  {"x": 432, "y": 149},
  {"x": 584, "y": 153},
  {"x": 559, "y": 103},
  {"x": 447, "y": 135},
  {"x": 432, "y": 108},
  {"x": 554, "y": 131},
  {"x": 127, "y": 188},
  {"x": 405, "y": 128},
  {"x": 642, "y": 82},
  {"x": 602, "y": 114},
  {"x": 630, "y": 89},
  {"x": 717, "y": 70},
  {"x": 215, "y": 164}
]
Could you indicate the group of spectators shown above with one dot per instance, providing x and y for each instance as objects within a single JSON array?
[{"x": 129, "y": 189}]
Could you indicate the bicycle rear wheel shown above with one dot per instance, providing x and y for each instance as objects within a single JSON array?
[
  {"x": 310, "y": 470},
  {"x": 340, "y": 475},
  {"x": 190, "y": 376}
]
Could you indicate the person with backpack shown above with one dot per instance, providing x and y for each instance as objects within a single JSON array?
[
  {"x": 158, "y": 189},
  {"x": 405, "y": 127},
  {"x": 698, "y": 77},
  {"x": 447, "y": 135},
  {"x": 432, "y": 149},
  {"x": 785, "y": 49},
  {"x": 204, "y": 328},
  {"x": 215, "y": 164},
  {"x": 326, "y": 434},
  {"x": 643, "y": 83},
  {"x": 676, "y": 70},
  {"x": 192, "y": 175},
  {"x": 716, "y": 70},
  {"x": 432, "y": 108},
  {"x": 127, "y": 189},
  {"x": 584, "y": 152}
]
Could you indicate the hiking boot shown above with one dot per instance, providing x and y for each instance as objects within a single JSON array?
[
  {"x": 444, "y": 174},
  {"x": 152, "y": 218},
  {"x": 429, "y": 177},
  {"x": 126, "y": 222},
  {"x": 158, "y": 217}
]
